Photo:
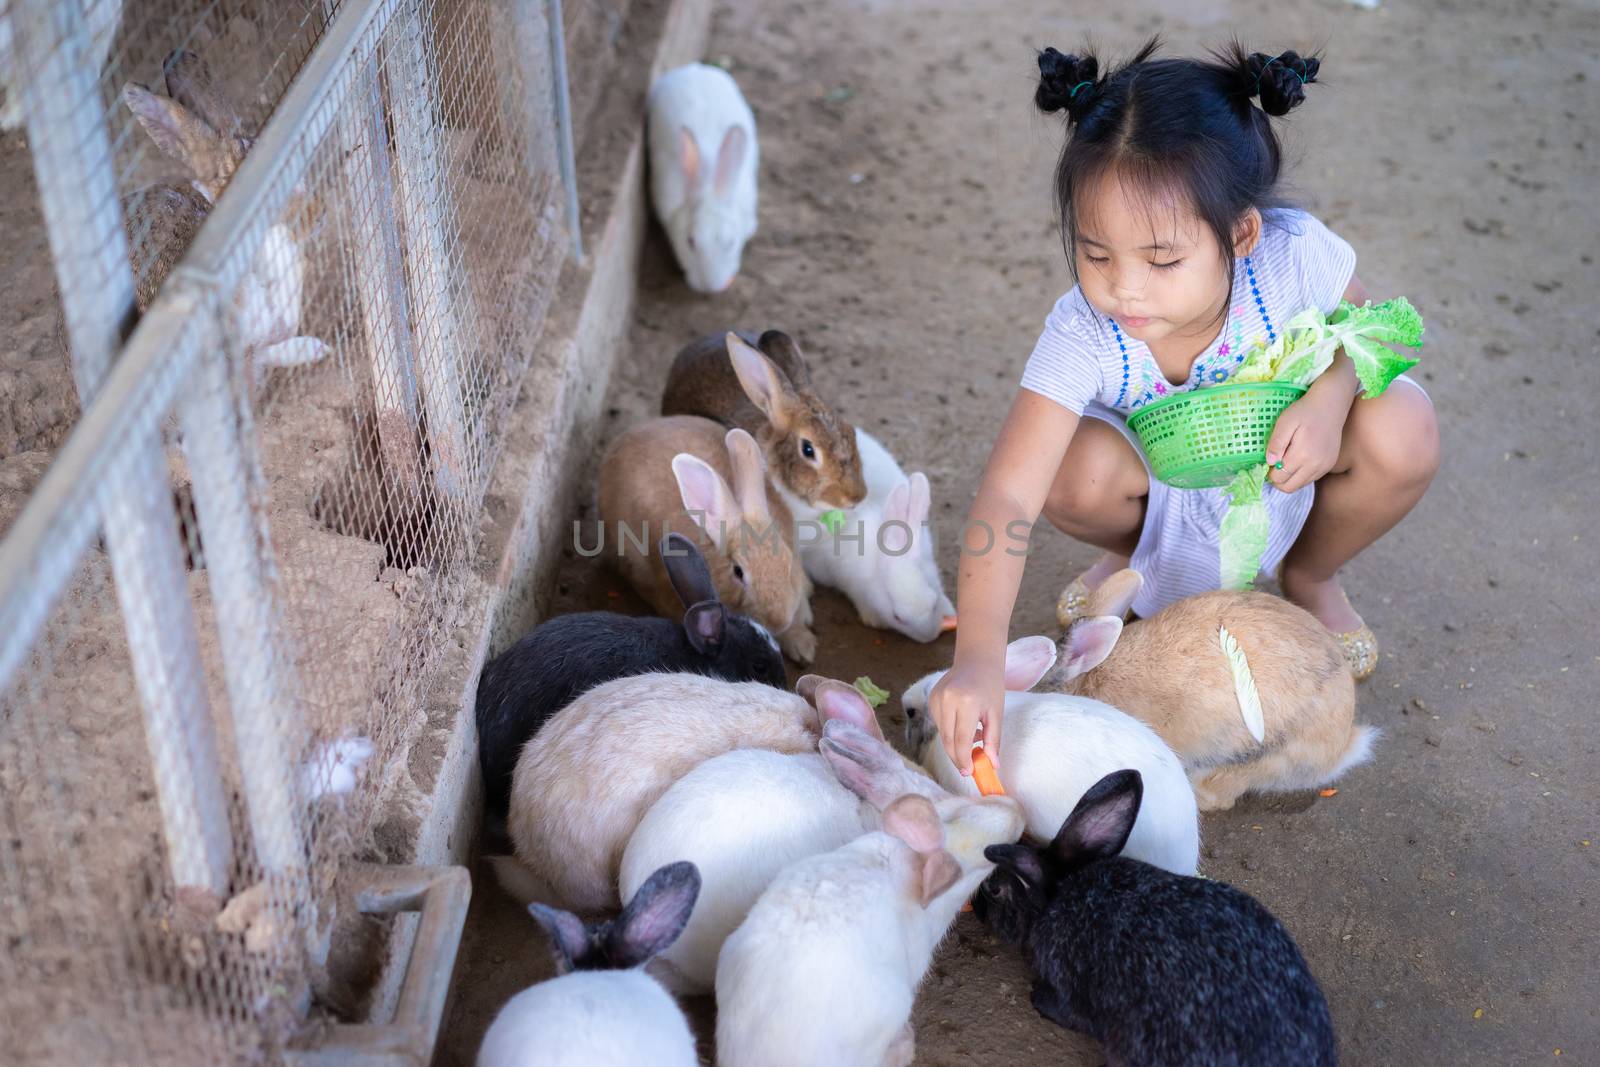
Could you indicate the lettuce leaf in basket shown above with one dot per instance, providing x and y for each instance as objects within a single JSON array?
[{"x": 1306, "y": 346}]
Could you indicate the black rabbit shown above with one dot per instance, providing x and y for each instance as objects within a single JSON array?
[
  {"x": 1161, "y": 968},
  {"x": 569, "y": 654}
]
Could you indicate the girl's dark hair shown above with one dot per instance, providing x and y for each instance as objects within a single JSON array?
[{"x": 1181, "y": 126}]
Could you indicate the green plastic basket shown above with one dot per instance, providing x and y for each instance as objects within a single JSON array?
[{"x": 1202, "y": 438}]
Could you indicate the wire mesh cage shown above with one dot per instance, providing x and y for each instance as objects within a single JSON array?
[{"x": 226, "y": 606}]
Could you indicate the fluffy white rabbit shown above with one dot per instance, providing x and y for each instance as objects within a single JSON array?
[
  {"x": 703, "y": 164},
  {"x": 1056, "y": 746},
  {"x": 881, "y": 556},
  {"x": 826, "y": 967},
  {"x": 743, "y": 816}
]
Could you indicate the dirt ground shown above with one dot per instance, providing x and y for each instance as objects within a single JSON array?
[{"x": 1444, "y": 896}]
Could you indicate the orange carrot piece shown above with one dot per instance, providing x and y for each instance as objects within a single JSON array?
[{"x": 983, "y": 773}]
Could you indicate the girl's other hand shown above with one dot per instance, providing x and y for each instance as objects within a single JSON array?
[
  {"x": 1306, "y": 440},
  {"x": 969, "y": 694}
]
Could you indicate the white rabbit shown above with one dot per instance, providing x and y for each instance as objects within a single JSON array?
[
  {"x": 826, "y": 967},
  {"x": 882, "y": 555},
  {"x": 1056, "y": 746},
  {"x": 588, "y": 776},
  {"x": 703, "y": 163},
  {"x": 743, "y": 816},
  {"x": 601, "y": 1011}
]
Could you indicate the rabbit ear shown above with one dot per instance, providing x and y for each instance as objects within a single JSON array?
[
  {"x": 862, "y": 763},
  {"x": 921, "y": 500},
  {"x": 784, "y": 351},
  {"x": 1116, "y": 594},
  {"x": 897, "y": 531},
  {"x": 806, "y": 687},
  {"x": 767, "y": 387},
  {"x": 1100, "y": 823},
  {"x": 706, "y": 497},
  {"x": 914, "y": 820},
  {"x": 704, "y": 624},
  {"x": 1027, "y": 660},
  {"x": 1088, "y": 643},
  {"x": 177, "y": 131},
  {"x": 568, "y": 936},
  {"x": 836, "y": 701},
  {"x": 688, "y": 157},
  {"x": 749, "y": 474},
  {"x": 1020, "y": 860},
  {"x": 190, "y": 83},
  {"x": 687, "y": 570},
  {"x": 730, "y": 157},
  {"x": 655, "y": 916},
  {"x": 939, "y": 872}
]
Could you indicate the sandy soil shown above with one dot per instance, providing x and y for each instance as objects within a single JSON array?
[{"x": 1443, "y": 897}]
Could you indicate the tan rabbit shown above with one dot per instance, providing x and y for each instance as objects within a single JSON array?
[
  {"x": 1171, "y": 672},
  {"x": 197, "y": 126},
  {"x": 655, "y": 475},
  {"x": 763, "y": 386}
]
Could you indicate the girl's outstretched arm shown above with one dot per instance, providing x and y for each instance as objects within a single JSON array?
[{"x": 1016, "y": 482}]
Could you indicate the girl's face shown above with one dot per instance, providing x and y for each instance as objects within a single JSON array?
[{"x": 1152, "y": 264}]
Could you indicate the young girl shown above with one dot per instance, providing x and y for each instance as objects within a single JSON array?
[{"x": 1184, "y": 256}]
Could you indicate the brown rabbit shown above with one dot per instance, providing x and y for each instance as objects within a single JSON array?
[
  {"x": 763, "y": 386},
  {"x": 1170, "y": 671},
  {"x": 655, "y": 474}
]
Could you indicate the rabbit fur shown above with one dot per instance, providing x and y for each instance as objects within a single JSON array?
[
  {"x": 1159, "y": 967},
  {"x": 1057, "y": 746},
  {"x": 587, "y": 778},
  {"x": 563, "y": 657},
  {"x": 601, "y": 1010},
  {"x": 762, "y": 385},
  {"x": 198, "y": 126},
  {"x": 882, "y": 556},
  {"x": 704, "y": 159},
  {"x": 825, "y": 968},
  {"x": 671, "y": 475},
  {"x": 1308, "y": 698},
  {"x": 743, "y": 816}
]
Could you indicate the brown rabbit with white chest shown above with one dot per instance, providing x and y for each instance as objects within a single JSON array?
[
  {"x": 654, "y": 476},
  {"x": 762, "y": 385},
  {"x": 197, "y": 126},
  {"x": 1171, "y": 672}
]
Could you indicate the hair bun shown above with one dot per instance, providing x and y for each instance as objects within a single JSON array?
[
  {"x": 1065, "y": 82},
  {"x": 1280, "y": 80}
]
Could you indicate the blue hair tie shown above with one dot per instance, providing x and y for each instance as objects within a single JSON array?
[
  {"x": 1273, "y": 60},
  {"x": 1075, "y": 89}
]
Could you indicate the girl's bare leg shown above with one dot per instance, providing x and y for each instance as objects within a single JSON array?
[
  {"x": 1099, "y": 496},
  {"x": 1388, "y": 456}
]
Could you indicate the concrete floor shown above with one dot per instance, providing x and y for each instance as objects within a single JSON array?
[{"x": 1445, "y": 897}]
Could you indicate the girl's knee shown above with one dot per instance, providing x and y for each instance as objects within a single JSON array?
[
  {"x": 1099, "y": 472},
  {"x": 1398, "y": 435}
]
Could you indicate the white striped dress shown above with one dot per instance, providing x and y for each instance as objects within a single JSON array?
[{"x": 1085, "y": 363}]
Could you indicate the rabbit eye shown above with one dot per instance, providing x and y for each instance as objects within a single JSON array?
[
  {"x": 806, "y": 449},
  {"x": 738, "y": 573}
]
